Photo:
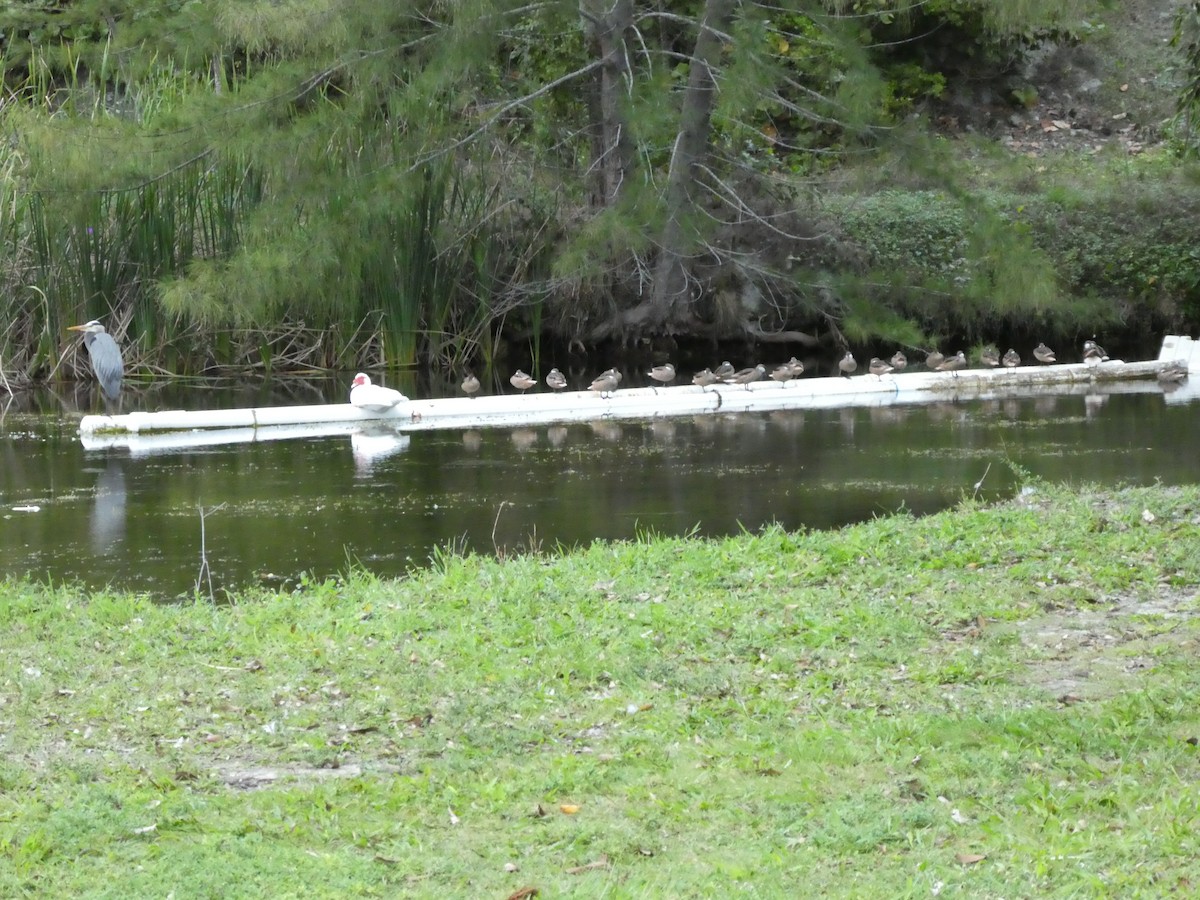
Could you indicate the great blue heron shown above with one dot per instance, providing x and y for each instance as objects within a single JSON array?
[{"x": 106, "y": 357}]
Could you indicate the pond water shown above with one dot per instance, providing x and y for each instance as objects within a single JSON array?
[{"x": 268, "y": 513}]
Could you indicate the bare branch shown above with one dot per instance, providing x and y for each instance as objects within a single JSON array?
[{"x": 502, "y": 110}]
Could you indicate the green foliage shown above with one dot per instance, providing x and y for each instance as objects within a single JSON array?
[
  {"x": 313, "y": 220},
  {"x": 436, "y": 263},
  {"x": 527, "y": 61},
  {"x": 1086, "y": 246},
  {"x": 908, "y": 85},
  {"x": 370, "y": 184},
  {"x": 946, "y": 31},
  {"x": 921, "y": 231},
  {"x": 1186, "y": 39},
  {"x": 950, "y": 264},
  {"x": 1131, "y": 242}
]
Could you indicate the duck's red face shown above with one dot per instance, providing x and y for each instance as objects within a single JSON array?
[{"x": 359, "y": 380}]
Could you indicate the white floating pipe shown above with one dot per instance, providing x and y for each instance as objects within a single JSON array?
[
  {"x": 1178, "y": 348},
  {"x": 647, "y": 402}
]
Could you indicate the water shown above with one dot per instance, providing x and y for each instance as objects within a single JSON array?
[{"x": 268, "y": 513}]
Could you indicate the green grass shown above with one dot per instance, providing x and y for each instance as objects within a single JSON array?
[{"x": 900, "y": 708}]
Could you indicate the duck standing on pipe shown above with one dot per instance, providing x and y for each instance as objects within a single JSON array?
[
  {"x": 521, "y": 381},
  {"x": 663, "y": 374},
  {"x": 606, "y": 382},
  {"x": 373, "y": 397},
  {"x": 1044, "y": 354}
]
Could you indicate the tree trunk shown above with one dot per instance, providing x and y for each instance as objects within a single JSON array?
[
  {"x": 670, "y": 301},
  {"x": 612, "y": 149}
]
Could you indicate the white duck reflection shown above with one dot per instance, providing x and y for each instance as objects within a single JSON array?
[{"x": 369, "y": 446}]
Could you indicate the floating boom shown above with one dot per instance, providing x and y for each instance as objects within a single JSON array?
[{"x": 508, "y": 410}]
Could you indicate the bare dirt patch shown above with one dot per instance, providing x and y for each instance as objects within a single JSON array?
[
  {"x": 250, "y": 777},
  {"x": 1114, "y": 89},
  {"x": 1095, "y": 653}
]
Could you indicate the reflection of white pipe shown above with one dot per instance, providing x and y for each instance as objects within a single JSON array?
[
  {"x": 181, "y": 419},
  {"x": 168, "y": 442},
  {"x": 514, "y": 410},
  {"x": 1183, "y": 391},
  {"x": 365, "y": 444}
]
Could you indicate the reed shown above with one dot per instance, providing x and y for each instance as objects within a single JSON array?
[
  {"x": 429, "y": 265},
  {"x": 413, "y": 268},
  {"x": 417, "y": 268},
  {"x": 102, "y": 255}
]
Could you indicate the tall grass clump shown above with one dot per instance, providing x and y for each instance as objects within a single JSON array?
[
  {"x": 101, "y": 254},
  {"x": 433, "y": 268}
]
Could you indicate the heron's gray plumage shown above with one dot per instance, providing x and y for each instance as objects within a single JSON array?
[{"x": 105, "y": 355}]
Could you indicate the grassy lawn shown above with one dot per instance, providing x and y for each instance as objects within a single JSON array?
[{"x": 991, "y": 702}]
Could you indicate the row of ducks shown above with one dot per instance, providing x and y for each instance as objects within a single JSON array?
[
  {"x": 1093, "y": 354},
  {"x": 608, "y": 381},
  {"x": 366, "y": 395},
  {"x": 376, "y": 398}
]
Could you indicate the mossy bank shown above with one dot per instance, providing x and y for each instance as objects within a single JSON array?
[{"x": 992, "y": 701}]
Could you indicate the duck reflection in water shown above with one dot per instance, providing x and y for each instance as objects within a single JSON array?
[
  {"x": 606, "y": 429},
  {"x": 888, "y": 415},
  {"x": 524, "y": 438},
  {"x": 789, "y": 420},
  {"x": 371, "y": 445},
  {"x": 663, "y": 430},
  {"x": 847, "y": 417},
  {"x": 1093, "y": 404},
  {"x": 1046, "y": 406}
]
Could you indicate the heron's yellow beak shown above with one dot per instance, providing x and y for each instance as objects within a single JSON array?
[{"x": 76, "y": 327}]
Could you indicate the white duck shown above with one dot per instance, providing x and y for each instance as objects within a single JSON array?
[{"x": 373, "y": 397}]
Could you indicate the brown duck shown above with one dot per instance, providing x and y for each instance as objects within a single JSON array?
[
  {"x": 1044, "y": 354},
  {"x": 878, "y": 367},
  {"x": 521, "y": 381}
]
